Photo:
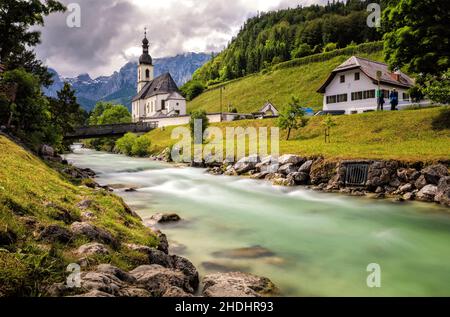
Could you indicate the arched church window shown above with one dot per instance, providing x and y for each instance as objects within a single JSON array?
[{"x": 147, "y": 73}]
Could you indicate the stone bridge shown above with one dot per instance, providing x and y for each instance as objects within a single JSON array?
[{"x": 97, "y": 131}]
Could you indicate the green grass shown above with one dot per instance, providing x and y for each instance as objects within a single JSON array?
[
  {"x": 250, "y": 93},
  {"x": 411, "y": 135},
  {"x": 30, "y": 188}
]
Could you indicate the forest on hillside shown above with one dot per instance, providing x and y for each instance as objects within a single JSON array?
[{"x": 273, "y": 37}]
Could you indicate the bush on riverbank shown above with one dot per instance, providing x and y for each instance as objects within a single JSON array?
[{"x": 131, "y": 144}]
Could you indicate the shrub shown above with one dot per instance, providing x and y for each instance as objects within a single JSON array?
[
  {"x": 141, "y": 146},
  {"x": 124, "y": 145}
]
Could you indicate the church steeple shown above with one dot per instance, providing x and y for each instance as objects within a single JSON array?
[
  {"x": 145, "y": 67},
  {"x": 145, "y": 57}
]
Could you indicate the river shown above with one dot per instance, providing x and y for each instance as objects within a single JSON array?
[{"x": 310, "y": 243}]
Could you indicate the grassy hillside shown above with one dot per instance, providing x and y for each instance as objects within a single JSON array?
[
  {"x": 34, "y": 196},
  {"x": 250, "y": 93},
  {"x": 410, "y": 135}
]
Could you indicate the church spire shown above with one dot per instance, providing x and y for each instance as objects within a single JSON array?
[{"x": 145, "y": 57}]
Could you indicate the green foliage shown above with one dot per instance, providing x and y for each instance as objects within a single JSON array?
[
  {"x": 125, "y": 144},
  {"x": 330, "y": 47},
  {"x": 107, "y": 113},
  {"x": 141, "y": 146},
  {"x": 278, "y": 36},
  {"x": 417, "y": 35},
  {"x": 198, "y": 115},
  {"x": 301, "y": 51},
  {"x": 328, "y": 123},
  {"x": 292, "y": 116},
  {"x": 192, "y": 89},
  {"x": 437, "y": 88},
  {"x": 18, "y": 32}
]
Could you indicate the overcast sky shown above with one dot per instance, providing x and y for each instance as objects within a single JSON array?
[{"x": 112, "y": 30}]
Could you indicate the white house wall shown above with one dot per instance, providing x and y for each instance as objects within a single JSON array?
[{"x": 335, "y": 87}]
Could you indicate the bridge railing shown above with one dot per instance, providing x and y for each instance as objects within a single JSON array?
[{"x": 93, "y": 131}]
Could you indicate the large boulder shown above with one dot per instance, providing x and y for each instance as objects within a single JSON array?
[
  {"x": 55, "y": 233},
  {"x": 46, "y": 150},
  {"x": 288, "y": 182},
  {"x": 434, "y": 173},
  {"x": 246, "y": 164},
  {"x": 237, "y": 284},
  {"x": 93, "y": 248},
  {"x": 287, "y": 169},
  {"x": 158, "y": 280},
  {"x": 420, "y": 182},
  {"x": 427, "y": 193},
  {"x": 407, "y": 174},
  {"x": 300, "y": 178},
  {"x": 443, "y": 191},
  {"x": 184, "y": 265},
  {"x": 290, "y": 158},
  {"x": 306, "y": 167},
  {"x": 93, "y": 233},
  {"x": 164, "y": 218}
]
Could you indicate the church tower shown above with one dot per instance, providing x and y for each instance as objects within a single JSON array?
[{"x": 145, "y": 67}]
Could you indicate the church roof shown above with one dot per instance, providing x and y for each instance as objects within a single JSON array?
[
  {"x": 163, "y": 84},
  {"x": 370, "y": 69}
]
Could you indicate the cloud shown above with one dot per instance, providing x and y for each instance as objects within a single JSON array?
[{"x": 111, "y": 31}]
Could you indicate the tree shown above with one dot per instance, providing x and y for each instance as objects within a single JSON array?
[
  {"x": 192, "y": 89},
  {"x": 141, "y": 146},
  {"x": 417, "y": 35},
  {"x": 108, "y": 113},
  {"x": 18, "y": 19},
  {"x": 328, "y": 123},
  {"x": 65, "y": 111},
  {"x": 292, "y": 116},
  {"x": 198, "y": 115},
  {"x": 437, "y": 88},
  {"x": 301, "y": 51}
]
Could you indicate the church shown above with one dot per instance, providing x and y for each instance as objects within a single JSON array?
[{"x": 156, "y": 97}]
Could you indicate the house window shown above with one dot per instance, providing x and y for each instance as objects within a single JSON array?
[
  {"x": 337, "y": 98},
  {"x": 178, "y": 104},
  {"x": 163, "y": 105},
  {"x": 147, "y": 73},
  {"x": 356, "y": 76},
  {"x": 342, "y": 79},
  {"x": 366, "y": 94},
  {"x": 405, "y": 96}
]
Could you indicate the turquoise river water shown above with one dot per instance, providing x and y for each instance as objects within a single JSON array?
[{"x": 316, "y": 244}]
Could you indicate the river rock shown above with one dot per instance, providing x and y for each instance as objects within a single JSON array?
[
  {"x": 434, "y": 173},
  {"x": 288, "y": 168},
  {"x": 245, "y": 253},
  {"x": 246, "y": 164},
  {"x": 237, "y": 284},
  {"x": 407, "y": 174},
  {"x": 222, "y": 267},
  {"x": 405, "y": 188},
  {"x": 443, "y": 191},
  {"x": 184, "y": 265},
  {"x": 94, "y": 293},
  {"x": 92, "y": 232},
  {"x": 165, "y": 217},
  {"x": 420, "y": 182},
  {"x": 46, "y": 150},
  {"x": 287, "y": 182},
  {"x": 55, "y": 233},
  {"x": 306, "y": 167},
  {"x": 290, "y": 158},
  {"x": 158, "y": 280},
  {"x": 163, "y": 244},
  {"x": 300, "y": 178},
  {"x": 93, "y": 248},
  {"x": 174, "y": 291},
  {"x": 427, "y": 193}
]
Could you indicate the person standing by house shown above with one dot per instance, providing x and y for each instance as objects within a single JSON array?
[
  {"x": 393, "y": 97},
  {"x": 380, "y": 99}
]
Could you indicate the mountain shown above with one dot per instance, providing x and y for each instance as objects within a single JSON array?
[{"x": 120, "y": 87}]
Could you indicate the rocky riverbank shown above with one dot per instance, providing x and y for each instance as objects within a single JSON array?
[
  {"x": 158, "y": 273},
  {"x": 380, "y": 179}
]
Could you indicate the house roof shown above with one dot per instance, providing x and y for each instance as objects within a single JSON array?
[
  {"x": 163, "y": 84},
  {"x": 370, "y": 69}
]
